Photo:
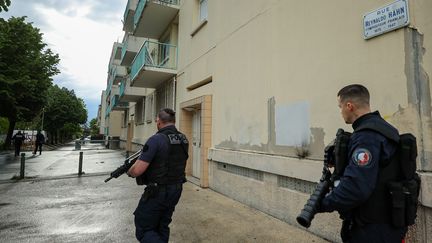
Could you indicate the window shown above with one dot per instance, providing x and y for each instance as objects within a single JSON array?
[
  {"x": 125, "y": 116},
  {"x": 139, "y": 111},
  {"x": 149, "y": 108},
  {"x": 203, "y": 9},
  {"x": 165, "y": 96}
]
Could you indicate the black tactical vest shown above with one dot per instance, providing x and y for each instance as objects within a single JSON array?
[
  {"x": 169, "y": 168},
  {"x": 377, "y": 209}
]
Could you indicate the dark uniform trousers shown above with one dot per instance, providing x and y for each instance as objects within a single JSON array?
[
  {"x": 376, "y": 233},
  {"x": 154, "y": 213},
  {"x": 38, "y": 145}
]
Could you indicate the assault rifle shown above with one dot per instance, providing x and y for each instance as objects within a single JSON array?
[
  {"x": 334, "y": 156},
  {"x": 125, "y": 167}
]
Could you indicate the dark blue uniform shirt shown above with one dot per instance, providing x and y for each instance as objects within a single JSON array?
[
  {"x": 155, "y": 146},
  {"x": 366, "y": 149}
]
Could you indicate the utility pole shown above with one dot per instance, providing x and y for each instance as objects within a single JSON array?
[{"x": 43, "y": 114}]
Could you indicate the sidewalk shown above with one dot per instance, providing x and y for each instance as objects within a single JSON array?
[{"x": 68, "y": 208}]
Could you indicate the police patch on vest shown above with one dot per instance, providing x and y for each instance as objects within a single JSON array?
[
  {"x": 362, "y": 157},
  {"x": 177, "y": 139}
]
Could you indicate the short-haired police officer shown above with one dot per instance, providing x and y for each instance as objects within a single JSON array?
[
  {"x": 161, "y": 167},
  {"x": 361, "y": 196}
]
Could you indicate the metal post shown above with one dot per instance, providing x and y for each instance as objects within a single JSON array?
[
  {"x": 80, "y": 163},
  {"x": 22, "y": 174},
  {"x": 43, "y": 114},
  {"x": 127, "y": 154}
]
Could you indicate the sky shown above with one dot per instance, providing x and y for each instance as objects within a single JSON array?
[{"x": 82, "y": 32}]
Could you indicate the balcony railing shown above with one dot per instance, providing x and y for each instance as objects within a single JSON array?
[
  {"x": 128, "y": 16},
  {"x": 117, "y": 105},
  {"x": 126, "y": 12},
  {"x": 127, "y": 93},
  {"x": 155, "y": 54},
  {"x": 124, "y": 48},
  {"x": 122, "y": 88},
  {"x": 138, "y": 11},
  {"x": 131, "y": 45},
  {"x": 158, "y": 60},
  {"x": 153, "y": 16}
]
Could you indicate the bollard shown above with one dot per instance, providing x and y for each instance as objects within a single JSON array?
[
  {"x": 80, "y": 163},
  {"x": 127, "y": 154},
  {"x": 22, "y": 174}
]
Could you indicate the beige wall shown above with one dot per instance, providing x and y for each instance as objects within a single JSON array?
[
  {"x": 114, "y": 123},
  {"x": 271, "y": 50},
  {"x": 270, "y": 61},
  {"x": 275, "y": 68},
  {"x": 102, "y": 113}
]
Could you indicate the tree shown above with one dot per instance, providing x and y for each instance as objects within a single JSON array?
[
  {"x": 4, "y": 4},
  {"x": 64, "y": 113},
  {"x": 26, "y": 68},
  {"x": 94, "y": 128}
]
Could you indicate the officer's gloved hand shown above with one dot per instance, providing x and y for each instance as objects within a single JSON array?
[
  {"x": 322, "y": 207},
  {"x": 328, "y": 156}
]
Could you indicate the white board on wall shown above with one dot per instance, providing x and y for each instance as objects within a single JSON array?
[{"x": 292, "y": 124}]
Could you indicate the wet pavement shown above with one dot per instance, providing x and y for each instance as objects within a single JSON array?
[
  {"x": 53, "y": 204},
  {"x": 61, "y": 161}
]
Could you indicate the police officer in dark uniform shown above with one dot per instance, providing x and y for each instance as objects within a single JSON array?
[
  {"x": 40, "y": 139},
  {"x": 361, "y": 197},
  {"x": 161, "y": 167},
  {"x": 18, "y": 140}
]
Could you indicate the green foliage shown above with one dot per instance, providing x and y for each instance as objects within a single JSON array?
[
  {"x": 94, "y": 128},
  {"x": 4, "y": 124},
  {"x": 26, "y": 68},
  {"x": 71, "y": 130},
  {"x": 64, "y": 112},
  {"x": 4, "y": 4}
]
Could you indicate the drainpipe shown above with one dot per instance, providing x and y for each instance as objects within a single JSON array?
[{"x": 174, "y": 92}]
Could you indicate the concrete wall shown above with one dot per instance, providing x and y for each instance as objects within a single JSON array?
[
  {"x": 275, "y": 68},
  {"x": 275, "y": 194},
  {"x": 114, "y": 123},
  {"x": 102, "y": 108}
]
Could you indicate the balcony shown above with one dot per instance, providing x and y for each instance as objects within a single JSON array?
[
  {"x": 131, "y": 46},
  {"x": 154, "y": 64},
  {"x": 115, "y": 76},
  {"x": 116, "y": 105},
  {"x": 130, "y": 94},
  {"x": 128, "y": 16},
  {"x": 152, "y": 17},
  {"x": 116, "y": 54},
  {"x": 118, "y": 74}
]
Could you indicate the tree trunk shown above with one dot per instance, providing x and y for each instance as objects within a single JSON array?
[{"x": 11, "y": 128}]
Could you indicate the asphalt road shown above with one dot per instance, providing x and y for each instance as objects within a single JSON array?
[{"x": 54, "y": 204}]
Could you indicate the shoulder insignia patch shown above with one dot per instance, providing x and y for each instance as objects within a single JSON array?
[{"x": 361, "y": 157}]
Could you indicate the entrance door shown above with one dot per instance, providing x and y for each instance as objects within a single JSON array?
[{"x": 196, "y": 144}]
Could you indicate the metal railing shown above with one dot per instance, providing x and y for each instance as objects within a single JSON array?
[
  {"x": 122, "y": 88},
  {"x": 141, "y": 5},
  {"x": 126, "y": 11},
  {"x": 155, "y": 54},
  {"x": 125, "y": 46},
  {"x": 115, "y": 102},
  {"x": 138, "y": 11}
]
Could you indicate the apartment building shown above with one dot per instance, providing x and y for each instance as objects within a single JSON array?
[{"x": 254, "y": 85}]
